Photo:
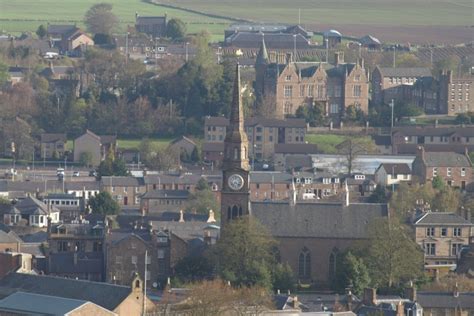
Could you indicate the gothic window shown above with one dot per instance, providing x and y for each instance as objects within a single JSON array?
[
  {"x": 235, "y": 212},
  {"x": 229, "y": 213},
  {"x": 304, "y": 264},
  {"x": 240, "y": 211},
  {"x": 236, "y": 153}
]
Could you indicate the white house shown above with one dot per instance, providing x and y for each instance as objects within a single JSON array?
[
  {"x": 392, "y": 173},
  {"x": 33, "y": 211}
]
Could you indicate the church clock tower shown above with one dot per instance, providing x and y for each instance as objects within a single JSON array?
[{"x": 235, "y": 195}]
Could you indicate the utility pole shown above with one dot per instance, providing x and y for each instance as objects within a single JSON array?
[
  {"x": 294, "y": 47},
  {"x": 327, "y": 50},
  {"x": 392, "y": 104},
  {"x": 394, "y": 58},
  {"x": 144, "y": 287},
  {"x": 126, "y": 48}
]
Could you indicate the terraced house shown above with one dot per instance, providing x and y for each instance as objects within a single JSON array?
[{"x": 295, "y": 84}]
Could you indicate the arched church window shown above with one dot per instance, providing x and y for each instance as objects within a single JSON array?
[
  {"x": 235, "y": 211},
  {"x": 304, "y": 264},
  {"x": 240, "y": 211},
  {"x": 236, "y": 153}
]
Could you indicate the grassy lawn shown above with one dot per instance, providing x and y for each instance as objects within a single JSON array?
[
  {"x": 129, "y": 143},
  {"x": 27, "y": 15},
  {"x": 325, "y": 142}
]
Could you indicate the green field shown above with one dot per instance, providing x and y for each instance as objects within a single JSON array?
[
  {"x": 375, "y": 12},
  {"x": 26, "y": 15},
  {"x": 325, "y": 142}
]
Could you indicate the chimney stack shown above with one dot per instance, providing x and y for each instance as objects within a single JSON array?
[
  {"x": 400, "y": 309},
  {"x": 339, "y": 58},
  {"x": 181, "y": 216},
  {"x": 370, "y": 297},
  {"x": 421, "y": 152},
  {"x": 295, "y": 302},
  {"x": 289, "y": 58}
]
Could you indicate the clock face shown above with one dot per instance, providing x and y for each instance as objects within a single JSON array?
[{"x": 236, "y": 182}]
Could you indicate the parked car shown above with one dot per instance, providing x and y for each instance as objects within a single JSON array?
[
  {"x": 92, "y": 173},
  {"x": 76, "y": 174}
]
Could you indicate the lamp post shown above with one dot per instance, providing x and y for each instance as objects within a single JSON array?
[
  {"x": 392, "y": 105},
  {"x": 327, "y": 49},
  {"x": 186, "y": 48}
]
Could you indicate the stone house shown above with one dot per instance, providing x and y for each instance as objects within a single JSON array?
[
  {"x": 456, "y": 93},
  {"x": 97, "y": 146},
  {"x": 184, "y": 146},
  {"x": 392, "y": 174},
  {"x": 454, "y": 303},
  {"x": 125, "y": 256},
  {"x": 122, "y": 300},
  {"x": 264, "y": 134},
  {"x": 395, "y": 83},
  {"x": 296, "y": 84},
  {"x": 407, "y": 139},
  {"x": 158, "y": 201},
  {"x": 68, "y": 39},
  {"x": 155, "y": 26},
  {"x": 125, "y": 190},
  {"x": 83, "y": 189},
  {"x": 455, "y": 169},
  {"x": 76, "y": 250},
  {"x": 9, "y": 241},
  {"x": 52, "y": 145},
  {"x": 31, "y": 212},
  {"x": 442, "y": 236}
]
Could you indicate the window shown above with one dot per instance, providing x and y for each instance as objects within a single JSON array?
[
  {"x": 113, "y": 189},
  {"x": 435, "y": 172},
  {"x": 357, "y": 90},
  {"x": 430, "y": 249},
  {"x": 148, "y": 260},
  {"x": 334, "y": 108},
  {"x": 97, "y": 246},
  {"x": 357, "y": 78},
  {"x": 134, "y": 259},
  {"x": 133, "y": 245},
  {"x": 448, "y": 172},
  {"x": 302, "y": 90},
  {"x": 337, "y": 91},
  {"x": 259, "y": 129},
  {"x": 310, "y": 90},
  {"x": 455, "y": 249},
  {"x": 62, "y": 246},
  {"x": 333, "y": 263},
  {"x": 288, "y": 78},
  {"x": 288, "y": 91},
  {"x": 270, "y": 138},
  {"x": 161, "y": 253},
  {"x": 463, "y": 172},
  {"x": 457, "y": 232},
  {"x": 288, "y": 108},
  {"x": 148, "y": 275},
  {"x": 304, "y": 264},
  {"x": 320, "y": 91},
  {"x": 444, "y": 232},
  {"x": 258, "y": 138},
  {"x": 118, "y": 259},
  {"x": 125, "y": 189},
  {"x": 430, "y": 231}
]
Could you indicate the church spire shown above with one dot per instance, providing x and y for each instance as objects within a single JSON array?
[
  {"x": 262, "y": 56},
  {"x": 236, "y": 142}
]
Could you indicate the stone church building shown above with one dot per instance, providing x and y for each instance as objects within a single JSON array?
[{"x": 310, "y": 234}]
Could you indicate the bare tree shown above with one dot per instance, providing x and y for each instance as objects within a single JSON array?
[{"x": 353, "y": 147}]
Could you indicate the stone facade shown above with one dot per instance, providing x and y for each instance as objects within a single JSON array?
[
  {"x": 296, "y": 84},
  {"x": 456, "y": 93},
  {"x": 126, "y": 256}
]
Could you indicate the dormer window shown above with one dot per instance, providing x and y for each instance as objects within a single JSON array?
[
  {"x": 288, "y": 78},
  {"x": 359, "y": 177}
]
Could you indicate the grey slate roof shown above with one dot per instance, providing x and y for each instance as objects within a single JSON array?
[
  {"x": 269, "y": 177},
  {"x": 369, "y": 40},
  {"x": 446, "y": 159},
  {"x": 31, "y": 205},
  {"x": 396, "y": 168},
  {"x": 30, "y": 304},
  {"x": 80, "y": 185},
  {"x": 122, "y": 181},
  {"x": 467, "y": 131},
  {"x": 317, "y": 220},
  {"x": 166, "y": 194},
  {"x": 150, "y": 20},
  {"x": 86, "y": 263},
  {"x": 50, "y": 138},
  {"x": 106, "y": 295},
  {"x": 445, "y": 300},
  {"x": 9, "y": 238},
  {"x": 61, "y": 28},
  {"x": 296, "y": 149},
  {"x": 437, "y": 218},
  {"x": 405, "y": 72},
  {"x": 208, "y": 146}
]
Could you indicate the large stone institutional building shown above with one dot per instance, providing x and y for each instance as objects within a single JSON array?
[
  {"x": 295, "y": 84},
  {"x": 311, "y": 235}
]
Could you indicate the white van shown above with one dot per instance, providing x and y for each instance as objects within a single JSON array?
[{"x": 50, "y": 55}]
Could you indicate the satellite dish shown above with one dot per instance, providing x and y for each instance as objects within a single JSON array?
[{"x": 155, "y": 284}]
